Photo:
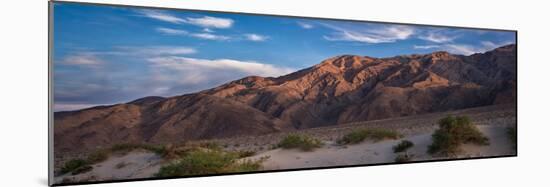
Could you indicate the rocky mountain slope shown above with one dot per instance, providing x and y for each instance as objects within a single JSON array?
[{"x": 339, "y": 90}]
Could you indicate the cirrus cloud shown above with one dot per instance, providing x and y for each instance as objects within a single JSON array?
[
  {"x": 204, "y": 21},
  {"x": 369, "y": 34},
  {"x": 305, "y": 25},
  {"x": 161, "y": 16},
  {"x": 255, "y": 37},
  {"x": 210, "y": 22},
  {"x": 205, "y": 35},
  {"x": 248, "y": 67},
  {"x": 82, "y": 59},
  {"x": 437, "y": 37}
]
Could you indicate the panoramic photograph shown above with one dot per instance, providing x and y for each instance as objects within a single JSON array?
[{"x": 148, "y": 93}]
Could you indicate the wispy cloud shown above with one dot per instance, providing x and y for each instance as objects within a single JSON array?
[
  {"x": 425, "y": 46},
  {"x": 172, "y": 31},
  {"x": 209, "y": 36},
  {"x": 155, "y": 50},
  {"x": 437, "y": 37},
  {"x": 305, "y": 25},
  {"x": 205, "y": 35},
  {"x": 205, "y": 21},
  {"x": 211, "y": 22},
  {"x": 461, "y": 49},
  {"x": 82, "y": 59},
  {"x": 93, "y": 58},
  {"x": 255, "y": 37},
  {"x": 161, "y": 16},
  {"x": 369, "y": 34},
  {"x": 248, "y": 67}
]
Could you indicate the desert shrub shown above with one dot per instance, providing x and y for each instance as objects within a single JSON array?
[
  {"x": 512, "y": 135},
  {"x": 72, "y": 165},
  {"x": 302, "y": 142},
  {"x": 402, "y": 146},
  {"x": 201, "y": 162},
  {"x": 246, "y": 165},
  {"x": 403, "y": 158},
  {"x": 83, "y": 165},
  {"x": 97, "y": 156},
  {"x": 82, "y": 169},
  {"x": 452, "y": 133},
  {"x": 360, "y": 135},
  {"x": 242, "y": 154}
]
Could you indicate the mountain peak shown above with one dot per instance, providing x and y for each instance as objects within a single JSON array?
[{"x": 346, "y": 61}]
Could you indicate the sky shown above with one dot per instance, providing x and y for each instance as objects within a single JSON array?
[{"x": 106, "y": 55}]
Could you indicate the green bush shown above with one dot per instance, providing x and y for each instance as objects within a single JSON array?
[
  {"x": 303, "y": 142},
  {"x": 82, "y": 169},
  {"x": 452, "y": 133},
  {"x": 201, "y": 162},
  {"x": 359, "y": 136},
  {"x": 97, "y": 156},
  {"x": 72, "y": 165},
  {"x": 402, "y": 146}
]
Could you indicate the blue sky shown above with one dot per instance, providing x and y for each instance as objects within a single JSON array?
[{"x": 106, "y": 55}]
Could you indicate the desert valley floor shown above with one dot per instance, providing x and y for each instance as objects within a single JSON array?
[{"x": 493, "y": 121}]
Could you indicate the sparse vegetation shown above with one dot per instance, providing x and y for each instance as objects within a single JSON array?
[
  {"x": 73, "y": 164},
  {"x": 302, "y": 142},
  {"x": 358, "y": 136},
  {"x": 242, "y": 154},
  {"x": 97, "y": 156},
  {"x": 452, "y": 133},
  {"x": 200, "y": 162},
  {"x": 76, "y": 166},
  {"x": 82, "y": 169},
  {"x": 402, "y": 146},
  {"x": 403, "y": 158}
]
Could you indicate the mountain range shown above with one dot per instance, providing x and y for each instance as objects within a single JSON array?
[{"x": 341, "y": 89}]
